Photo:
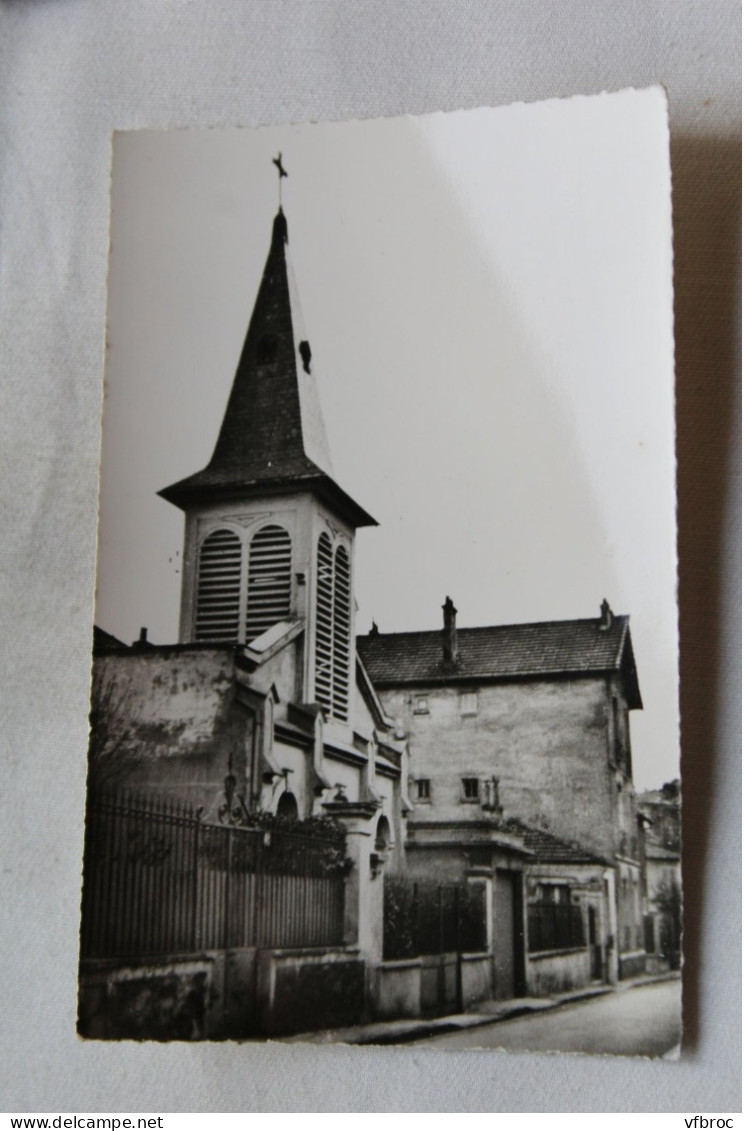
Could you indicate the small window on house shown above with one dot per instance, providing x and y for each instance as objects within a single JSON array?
[
  {"x": 470, "y": 789},
  {"x": 423, "y": 789},
  {"x": 469, "y": 703},
  {"x": 421, "y": 705}
]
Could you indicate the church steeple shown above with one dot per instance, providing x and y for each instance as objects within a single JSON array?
[
  {"x": 272, "y": 438},
  {"x": 269, "y": 534}
]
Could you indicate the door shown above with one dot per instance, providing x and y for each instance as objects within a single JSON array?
[
  {"x": 595, "y": 947},
  {"x": 504, "y": 927}
]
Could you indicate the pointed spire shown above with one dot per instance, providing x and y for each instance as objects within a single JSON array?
[{"x": 272, "y": 434}]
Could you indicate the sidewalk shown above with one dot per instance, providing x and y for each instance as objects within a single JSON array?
[{"x": 485, "y": 1013}]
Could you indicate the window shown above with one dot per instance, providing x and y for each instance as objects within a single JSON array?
[
  {"x": 332, "y": 628},
  {"x": 421, "y": 705},
  {"x": 554, "y": 922},
  {"x": 269, "y": 580},
  {"x": 341, "y": 632},
  {"x": 423, "y": 789},
  {"x": 470, "y": 789},
  {"x": 324, "y": 622},
  {"x": 469, "y": 703},
  {"x": 218, "y": 588}
]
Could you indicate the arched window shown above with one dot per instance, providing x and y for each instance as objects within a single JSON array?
[
  {"x": 218, "y": 588},
  {"x": 382, "y": 835},
  {"x": 332, "y": 628},
  {"x": 324, "y": 622},
  {"x": 287, "y": 806},
  {"x": 341, "y": 632},
  {"x": 269, "y": 580}
]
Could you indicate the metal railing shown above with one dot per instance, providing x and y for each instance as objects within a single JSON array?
[
  {"x": 159, "y": 880},
  {"x": 554, "y": 926},
  {"x": 423, "y": 917}
]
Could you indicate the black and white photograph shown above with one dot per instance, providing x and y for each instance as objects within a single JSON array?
[{"x": 384, "y": 720}]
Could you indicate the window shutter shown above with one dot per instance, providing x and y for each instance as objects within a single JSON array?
[
  {"x": 218, "y": 588},
  {"x": 341, "y": 631},
  {"x": 324, "y": 622},
  {"x": 269, "y": 580}
]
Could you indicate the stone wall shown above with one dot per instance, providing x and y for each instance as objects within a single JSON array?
[
  {"x": 167, "y": 720},
  {"x": 302, "y": 990},
  {"x": 235, "y": 994},
  {"x": 555, "y": 973}
]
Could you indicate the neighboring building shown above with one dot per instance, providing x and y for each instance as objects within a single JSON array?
[
  {"x": 660, "y": 825},
  {"x": 529, "y": 721}
]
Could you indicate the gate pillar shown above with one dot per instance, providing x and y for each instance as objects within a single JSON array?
[{"x": 363, "y": 892}]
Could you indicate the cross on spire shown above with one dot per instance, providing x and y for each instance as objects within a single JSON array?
[{"x": 281, "y": 171}]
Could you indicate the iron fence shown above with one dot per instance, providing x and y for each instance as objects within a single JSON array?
[
  {"x": 159, "y": 880},
  {"x": 554, "y": 926},
  {"x": 423, "y": 917}
]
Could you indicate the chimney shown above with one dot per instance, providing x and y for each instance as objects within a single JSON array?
[
  {"x": 449, "y": 633},
  {"x": 142, "y": 643},
  {"x": 605, "y": 616},
  {"x": 374, "y": 631}
]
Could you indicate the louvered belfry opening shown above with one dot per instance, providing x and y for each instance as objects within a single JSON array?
[
  {"x": 324, "y": 623},
  {"x": 341, "y": 633},
  {"x": 218, "y": 589},
  {"x": 269, "y": 580},
  {"x": 332, "y": 629}
]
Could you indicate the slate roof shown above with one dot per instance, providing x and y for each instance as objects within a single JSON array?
[
  {"x": 272, "y": 437},
  {"x": 103, "y": 640},
  {"x": 500, "y": 652},
  {"x": 549, "y": 849}
]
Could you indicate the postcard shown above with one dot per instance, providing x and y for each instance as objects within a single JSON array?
[{"x": 384, "y": 723}]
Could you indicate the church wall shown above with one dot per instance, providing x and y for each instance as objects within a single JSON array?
[
  {"x": 283, "y": 671},
  {"x": 166, "y": 720},
  {"x": 546, "y": 742},
  {"x": 297, "y": 762},
  {"x": 341, "y": 773}
]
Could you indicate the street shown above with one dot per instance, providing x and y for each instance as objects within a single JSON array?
[{"x": 641, "y": 1021}]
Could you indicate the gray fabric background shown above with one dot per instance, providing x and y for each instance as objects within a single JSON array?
[{"x": 70, "y": 72}]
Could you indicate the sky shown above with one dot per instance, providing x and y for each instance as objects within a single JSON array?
[{"x": 488, "y": 298}]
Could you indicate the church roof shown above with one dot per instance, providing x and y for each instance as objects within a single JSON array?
[
  {"x": 501, "y": 652},
  {"x": 272, "y": 438}
]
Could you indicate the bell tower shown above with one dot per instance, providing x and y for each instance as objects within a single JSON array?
[{"x": 269, "y": 534}]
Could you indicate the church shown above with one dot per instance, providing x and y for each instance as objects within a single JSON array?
[{"x": 488, "y": 766}]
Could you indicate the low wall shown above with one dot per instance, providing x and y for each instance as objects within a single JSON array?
[
  {"x": 315, "y": 988},
  {"x": 438, "y": 984},
  {"x": 191, "y": 998},
  {"x": 557, "y": 971},
  {"x": 476, "y": 971},
  {"x": 632, "y": 965},
  {"x": 396, "y": 989},
  {"x": 156, "y": 1001}
]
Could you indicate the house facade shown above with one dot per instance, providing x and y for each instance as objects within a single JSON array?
[{"x": 523, "y": 730}]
